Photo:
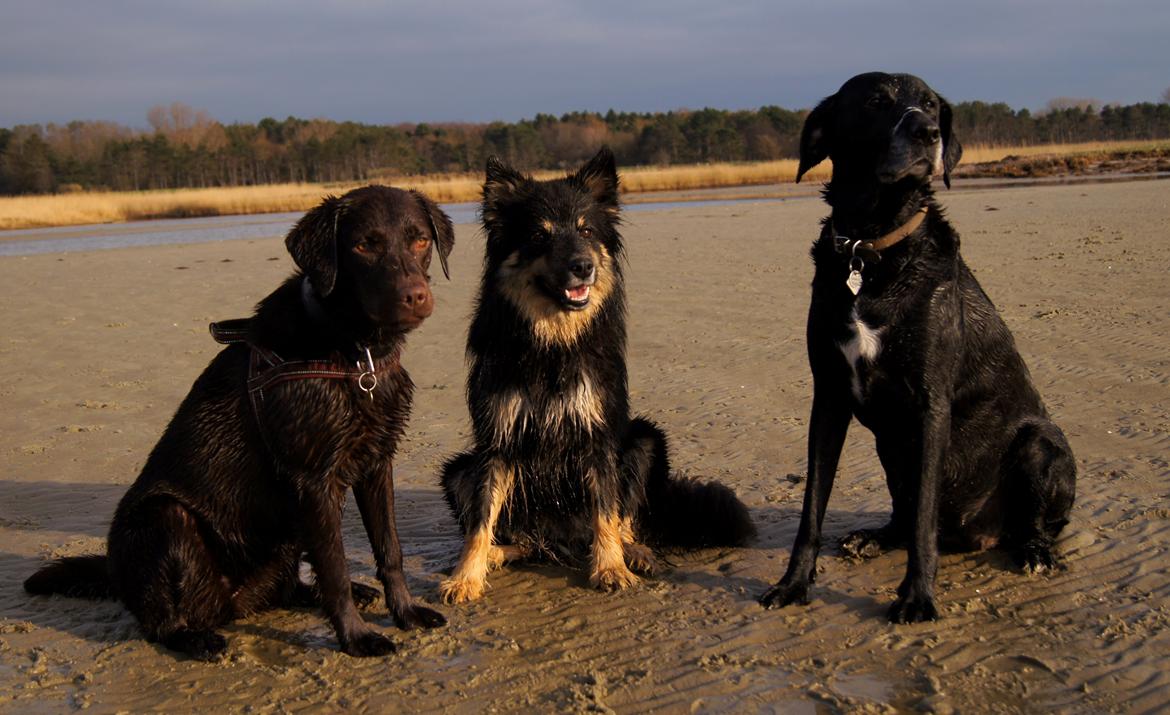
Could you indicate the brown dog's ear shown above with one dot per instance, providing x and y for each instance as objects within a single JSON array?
[
  {"x": 312, "y": 242},
  {"x": 442, "y": 233},
  {"x": 815, "y": 137},
  {"x": 599, "y": 177},
  {"x": 952, "y": 149},
  {"x": 500, "y": 187}
]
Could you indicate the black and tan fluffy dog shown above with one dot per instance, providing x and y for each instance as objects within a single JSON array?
[
  {"x": 902, "y": 337},
  {"x": 559, "y": 468},
  {"x": 308, "y": 401}
]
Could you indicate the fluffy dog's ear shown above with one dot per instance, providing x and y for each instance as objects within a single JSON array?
[
  {"x": 500, "y": 186},
  {"x": 312, "y": 242},
  {"x": 442, "y": 233},
  {"x": 815, "y": 137},
  {"x": 599, "y": 177},
  {"x": 952, "y": 149}
]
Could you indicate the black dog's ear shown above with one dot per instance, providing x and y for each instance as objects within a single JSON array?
[
  {"x": 500, "y": 186},
  {"x": 599, "y": 177},
  {"x": 442, "y": 233},
  {"x": 815, "y": 137},
  {"x": 952, "y": 149},
  {"x": 312, "y": 242}
]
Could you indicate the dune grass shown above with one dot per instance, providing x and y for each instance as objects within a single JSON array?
[{"x": 111, "y": 207}]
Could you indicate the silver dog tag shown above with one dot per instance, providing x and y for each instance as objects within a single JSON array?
[{"x": 854, "y": 282}]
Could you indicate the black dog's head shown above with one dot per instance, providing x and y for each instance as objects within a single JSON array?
[
  {"x": 889, "y": 127},
  {"x": 367, "y": 254},
  {"x": 553, "y": 246}
]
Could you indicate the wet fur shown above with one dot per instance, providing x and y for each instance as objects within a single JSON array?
[
  {"x": 559, "y": 468},
  {"x": 921, "y": 358},
  {"x": 215, "y": 526}
]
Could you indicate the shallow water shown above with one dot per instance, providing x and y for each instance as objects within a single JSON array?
[{"x": 66, "y": 239}]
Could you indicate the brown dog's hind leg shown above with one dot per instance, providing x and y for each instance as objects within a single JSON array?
[{"x": 168, "y": 578}]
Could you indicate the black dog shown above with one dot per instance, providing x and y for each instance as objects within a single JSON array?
[
  {"x": 559, "y": 468},
  {"x": 253, "y": 469},
  {"x": 901, "y": 335}
]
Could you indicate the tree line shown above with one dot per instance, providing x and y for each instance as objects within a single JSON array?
[{"x": 186, "y": 148}]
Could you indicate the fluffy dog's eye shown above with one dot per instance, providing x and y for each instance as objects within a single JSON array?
[
  {"x": 585, "y": 232},
  {"x": 363, "y": 246}
]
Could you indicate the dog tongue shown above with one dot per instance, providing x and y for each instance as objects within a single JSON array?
[{"x": 577, "y": 294}]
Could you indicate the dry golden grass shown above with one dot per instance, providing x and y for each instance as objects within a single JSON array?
[{"x": 110, "y": 207}]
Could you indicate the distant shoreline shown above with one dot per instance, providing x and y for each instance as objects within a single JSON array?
[{"x": 639, "y": 184}]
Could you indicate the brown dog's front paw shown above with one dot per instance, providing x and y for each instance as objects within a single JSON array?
[
  {"x": 458, "y": 590},
  {"x": 640, "y": 558},
  {"x": 613, "y": 579},
  {"x": 369, "y": 644},
  {"x": 419, "y": 617}
]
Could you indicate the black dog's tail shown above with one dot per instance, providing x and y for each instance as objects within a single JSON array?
[
  {"x": 683, "y": 511},
  {"x": 79, "y": 576}
]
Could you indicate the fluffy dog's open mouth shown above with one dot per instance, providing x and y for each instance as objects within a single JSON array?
[{"x": 577, "y": 296}]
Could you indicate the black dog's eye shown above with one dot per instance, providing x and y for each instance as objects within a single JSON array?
[
  {"x": 928, "y": 103},
  {"x": 585, "y": 232},
  {"x": 879, "y": 101}
]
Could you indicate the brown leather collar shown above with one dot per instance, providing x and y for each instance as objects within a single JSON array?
[{"x": 871, "y": 250}]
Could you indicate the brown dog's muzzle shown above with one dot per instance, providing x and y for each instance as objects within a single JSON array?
[{"x": 415, "y": 301}]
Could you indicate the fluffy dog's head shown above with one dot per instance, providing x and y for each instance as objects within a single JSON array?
[
  {"x": 367, "y": 253},
  {"x": 886, "y": 127},
  {"x": 553, "y": 246}
]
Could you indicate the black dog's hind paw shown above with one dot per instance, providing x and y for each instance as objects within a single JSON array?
[
  {"x": 867, "y": 543},
  {"x": 913, "y": 608},
  {"x": 784, "y": 593},
  {"x": 205, "y": 645},
  {"x": 1039, "y": 556},
  {"x": 367, "y": 645},
  {"x": 419, "y": 617}
]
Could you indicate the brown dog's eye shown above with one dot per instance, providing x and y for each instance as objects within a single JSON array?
[
  {"x": 421, "y": 243},
  {"x": 585, "y": 232}
]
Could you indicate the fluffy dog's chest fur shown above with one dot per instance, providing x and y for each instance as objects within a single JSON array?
[{"x": 576, "y": 405}]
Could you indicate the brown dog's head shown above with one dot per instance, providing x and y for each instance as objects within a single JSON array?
[
  {"x": 885, "y": 127},
  {"x": 367, "y": 254}
]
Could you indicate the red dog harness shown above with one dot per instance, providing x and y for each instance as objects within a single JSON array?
[{"x": 266, "y": 368}]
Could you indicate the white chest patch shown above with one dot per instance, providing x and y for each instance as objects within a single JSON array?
[
  {"x": 865, "y": 344},
  {"x": 514, "y": 412}
]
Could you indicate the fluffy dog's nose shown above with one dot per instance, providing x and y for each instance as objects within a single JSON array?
[{"x": 582, "y": 268}]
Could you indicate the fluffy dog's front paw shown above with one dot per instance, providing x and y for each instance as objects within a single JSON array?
[
  {"x": 419, "y": 617},
  {"x": 913, "y": 607},
  {"x": 614, "y": 578},
  {"x": 864, "y": 543},
  {"x": 368, "y": 644},
  {"x": 640, "y": 558},
  {"x": 459, "y": 590},
  {"x": 784, "y": 593}
]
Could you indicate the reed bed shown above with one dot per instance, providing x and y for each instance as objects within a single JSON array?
[{"x": 110, "y": 207}]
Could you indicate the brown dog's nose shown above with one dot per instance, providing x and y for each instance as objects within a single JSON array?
[{"x": 416, "y": 297}]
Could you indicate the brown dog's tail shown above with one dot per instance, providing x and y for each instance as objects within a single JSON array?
[
  {"x": 679, "y": 511},
  {"x": 79, "y": 576}
]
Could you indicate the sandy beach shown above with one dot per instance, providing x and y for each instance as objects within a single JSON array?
[{"x": 99, "y": 347}]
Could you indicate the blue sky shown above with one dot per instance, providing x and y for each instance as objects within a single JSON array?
[{"x": 390, "y": 62}]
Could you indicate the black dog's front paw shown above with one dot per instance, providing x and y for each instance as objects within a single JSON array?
[
  {"x": 1039, "y": 556},
  {"x": 419, "y": 617},
  {"x": 368, "y": 644},
  {"x": 913, "y": 606},
  {"x": 786, "y": 592}
]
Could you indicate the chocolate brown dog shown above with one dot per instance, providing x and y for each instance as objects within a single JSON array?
[
  {"x": 902, "y": 337},
  {"x": 308, "y": 400}
]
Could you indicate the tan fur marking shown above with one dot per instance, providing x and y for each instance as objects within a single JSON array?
[
  {"x": 500, "y": 555},
  {"x": 552, "y": 324},
  {"x": 511, "y": 412},
  {"x": 469, "y": 579},
  {"x": 547, "y": 225},
  {"x": 609, "y": 571}
]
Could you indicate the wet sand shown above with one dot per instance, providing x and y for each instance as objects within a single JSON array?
[{"x": 99, "y": 348}]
